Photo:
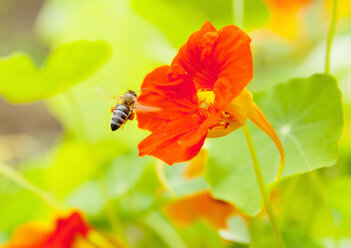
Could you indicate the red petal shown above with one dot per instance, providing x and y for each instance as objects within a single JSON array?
[
  {"x": 32, "y": 235},
  {"x": 176, "y": 141},
  {"x": 67, "y": 229},
  {"x": 218, "y": 60},
  {"x": 190, "y": 57},
  {"x": 233, "y": 56},
  {"x": 170, "y": 91}
]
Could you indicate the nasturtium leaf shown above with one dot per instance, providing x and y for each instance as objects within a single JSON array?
[
  {"x": 120, "y": 178},
  {"x": 164, "y": 229},
  {"x": 169, "y": 15},
  {"x": 307, "y": 115},
  {"x": 22, "y": 81},
  {"x": 237, "y": 231}
]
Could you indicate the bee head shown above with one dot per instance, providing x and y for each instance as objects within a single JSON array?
[
  {"x": 132, "y": 92},
  {"x": 130, "y": 97}
]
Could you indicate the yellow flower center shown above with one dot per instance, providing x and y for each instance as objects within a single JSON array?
[{"x": 232, "y": 117}]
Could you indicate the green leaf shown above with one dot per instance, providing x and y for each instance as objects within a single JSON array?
[
  {"x": 307, "y": 115},
  {"x": 120, "y": 178},
  {"x": 237, "y": 231},
  {"x": 165, "y": 230},
  {"x": 178, "y": 19},
  {"x": 69, "y": 64}
]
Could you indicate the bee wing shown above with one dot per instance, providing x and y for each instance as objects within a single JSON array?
[
  {"x": 106, "y": 95},
  {"x": 139, "y": 108}
]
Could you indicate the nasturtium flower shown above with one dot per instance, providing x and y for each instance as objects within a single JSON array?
[
  {"x": 64, "y": 233},
  {"x": 284, "y": 16},
  {"x": 200, "y": 207},
  {"x": 201, "y": 94}
]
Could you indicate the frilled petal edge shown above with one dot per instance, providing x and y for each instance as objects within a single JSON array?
[{"x": 170, "y": 92}]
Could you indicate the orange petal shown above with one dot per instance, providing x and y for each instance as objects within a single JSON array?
[
  {"x": 258, "y": 118},
  {"x": 30, "y": 235},
  {"x": 201, "y": 206},
  {"x": 197, "y": 165}
]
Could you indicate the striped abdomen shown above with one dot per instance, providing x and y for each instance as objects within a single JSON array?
[{"x": 119, "y": 116}]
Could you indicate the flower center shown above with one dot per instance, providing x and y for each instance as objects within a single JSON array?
[
  {"x": 206, "y": 99},
  {"x": 232, "y": 117}
]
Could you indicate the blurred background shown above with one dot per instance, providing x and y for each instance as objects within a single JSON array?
[{"x": 64, "y": 145}]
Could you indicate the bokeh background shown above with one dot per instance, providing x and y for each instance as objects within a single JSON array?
[{"x": 64, "y": 144}]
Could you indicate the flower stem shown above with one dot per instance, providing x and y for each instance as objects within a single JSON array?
[
  {"x": 261, "y": 185},
  {"x": 12, "y": 174},
  {"x": 318, "y": 185},
  {"x": 238, "y": 11},
  {"x": 331, "y": 35}
]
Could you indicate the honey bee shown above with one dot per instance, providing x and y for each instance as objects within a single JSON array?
[{"x": 123, "y": 110}]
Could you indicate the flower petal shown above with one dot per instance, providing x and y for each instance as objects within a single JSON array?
[
  {"x": 37, "y": 235},
  {"x": 218, "y": 60},
  {"x": 201, "y": 206},
  {"x": 258, "y": 118},
  {"x": 176, "y": 141},
  {"x": 191, "y": 57},
  {"x": 67, "y": 229},
  {"x": 233, "y": 57},
  {"x": 197, "y": 165},
  {"x": 29, "y": 235},
  {"x": 169, "y": 90}
]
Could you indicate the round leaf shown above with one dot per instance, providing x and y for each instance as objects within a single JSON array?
[{"x": 307, "y": 115}]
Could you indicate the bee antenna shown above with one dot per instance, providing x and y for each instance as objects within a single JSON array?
[
  {"x": 125, "y": 87},
  {"x": 141, "y": 90}
]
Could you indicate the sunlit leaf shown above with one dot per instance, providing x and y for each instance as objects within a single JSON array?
[
  {"x": 194, "y": 236},
  {"x": 307, "y": 115},
  {"x": 165, "y": 230},
  {"x": 237, "y": 231},
  {"x": 67, "y": 65},
  {"x": 124, "y": 174},
  {"x": 190, "y": 15}
]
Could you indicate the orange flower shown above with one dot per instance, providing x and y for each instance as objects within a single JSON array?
[
  {"x": 284, "y": 18},
  {"x": 286, "y": 5},
  {"x": 201, "y": 94},
  {"x": 63, "y": 235},
  {"x": 201, "y": 206},
  {"x": 210, "y": 70}
]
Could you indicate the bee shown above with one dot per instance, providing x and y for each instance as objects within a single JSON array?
[{"x": 123, "y": 110}]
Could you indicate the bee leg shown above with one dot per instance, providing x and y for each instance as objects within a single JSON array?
[
  {"x": 131, "y": 116},
  {"x": 112, "y": 109}
]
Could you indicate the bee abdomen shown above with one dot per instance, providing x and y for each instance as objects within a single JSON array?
[{"x": 119, "y": 116}]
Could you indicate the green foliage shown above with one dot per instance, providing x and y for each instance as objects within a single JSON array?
[
  {"x": 100, "y": 173},
  {"x": 190, "y": 15},
  {"x": 69, "y": 64},
  {"x": 307, "y": 115}
]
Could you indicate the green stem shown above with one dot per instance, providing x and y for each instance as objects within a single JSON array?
[
  {"x": 12, "y": 174},
  {"x": 262, "y": 187},
  {"x": 77, "y": 115},
  {"x": 111, "y": 214},
  {"x": 160, "y": 166},
  {"x": 331, "y": 35},
  {"x": 238, "y": 11},
  {"x": 252, "y": 229},
  {"x": 318, "y": 184}
]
